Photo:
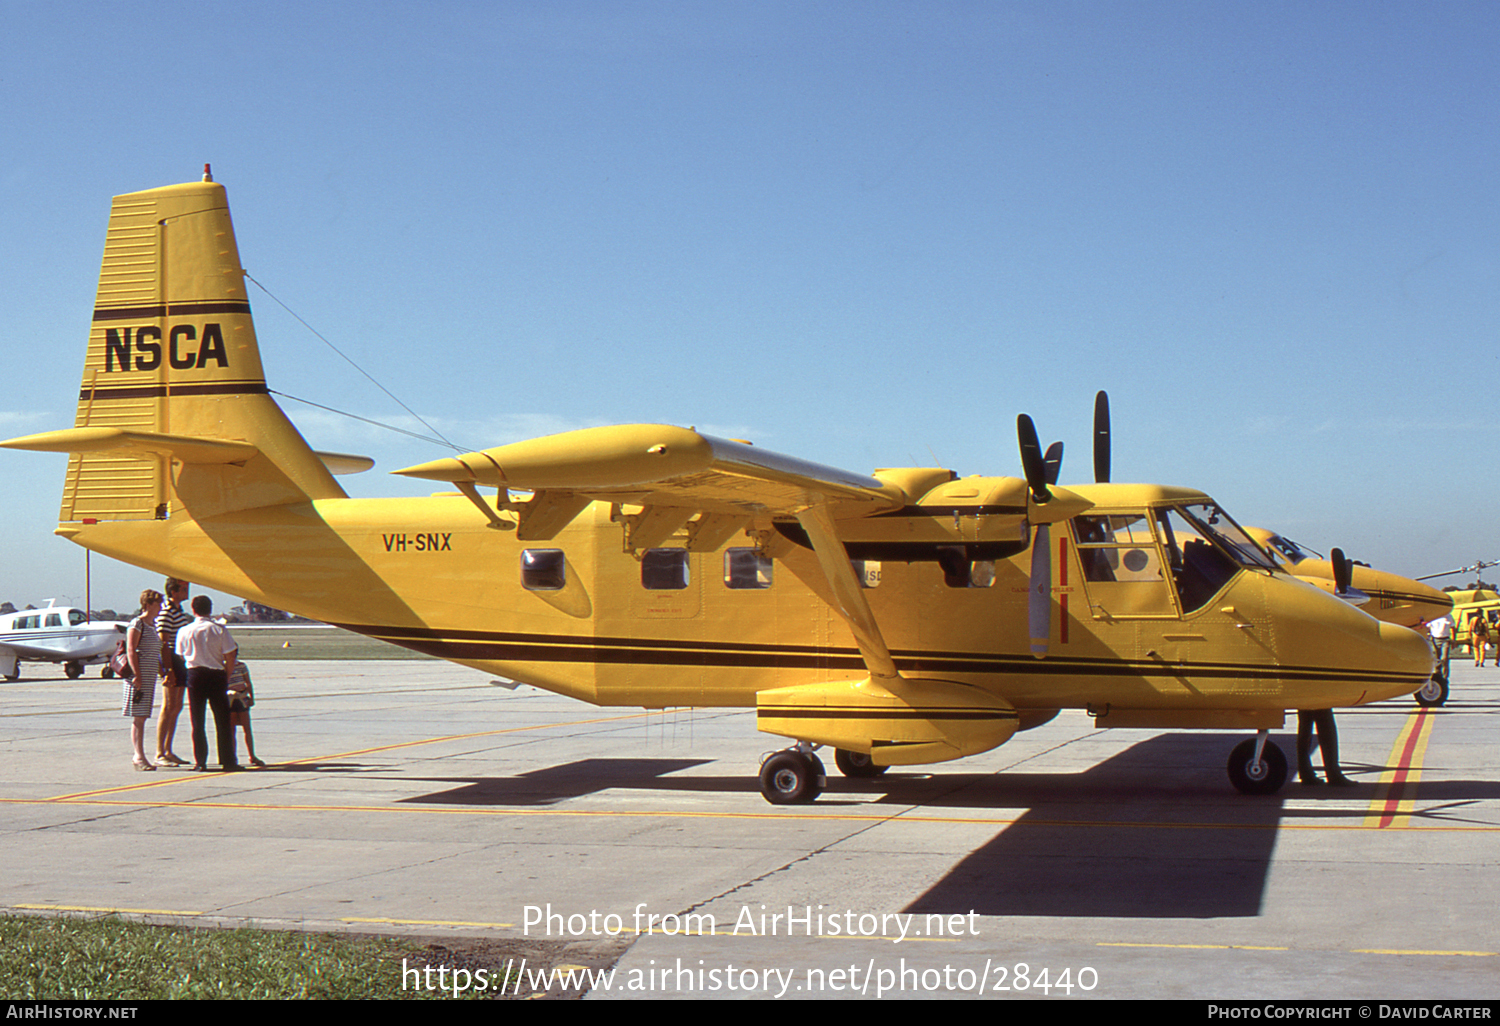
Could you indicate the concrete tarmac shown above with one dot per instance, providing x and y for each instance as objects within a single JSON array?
[{"x": 421, "y": 798}]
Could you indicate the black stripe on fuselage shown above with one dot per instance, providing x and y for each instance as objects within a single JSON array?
[
  {"x": 772, "y": 712},
  {"x": 507, "y": 647}
]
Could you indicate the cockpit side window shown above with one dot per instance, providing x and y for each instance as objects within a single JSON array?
[{"x": 1122, "y": 566}]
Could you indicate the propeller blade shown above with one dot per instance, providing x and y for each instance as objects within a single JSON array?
[
  {"x": 1101, "y": 438},
  {"x": 1039, "y": 599},
  {"x": 1343, "y": 572},
  {"x": 1052, "y": 460},
  {"x": 1032, "y": 461}
]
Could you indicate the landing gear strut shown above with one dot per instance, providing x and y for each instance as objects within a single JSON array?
[
  {"x": 1257, "y": 766},
  {"x": 793, "y": 776}
]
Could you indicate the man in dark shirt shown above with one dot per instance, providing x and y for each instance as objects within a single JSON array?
[{"x": 174, "y": 672}]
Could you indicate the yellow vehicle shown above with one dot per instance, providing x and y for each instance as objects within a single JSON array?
[
  {"x": 1483, "y": 602},
  {"x": 1391, "y": 597},
  {"x": 904, "y": 617}
]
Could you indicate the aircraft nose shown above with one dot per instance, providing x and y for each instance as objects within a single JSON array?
[{"x": 1408, "y": 651}]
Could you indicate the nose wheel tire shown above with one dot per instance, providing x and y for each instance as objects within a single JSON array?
[
  {"x": 791, "y": 778},
  {"x": 1257, "y": 777},
  {"x": 856, "y": 764},
  {"x": 1433, "y": 693}
]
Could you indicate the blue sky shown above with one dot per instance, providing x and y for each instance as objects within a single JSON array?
[{"x": 866, "y": 234}]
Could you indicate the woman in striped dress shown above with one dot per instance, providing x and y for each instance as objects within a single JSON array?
[{"x": 143, "y": 650}]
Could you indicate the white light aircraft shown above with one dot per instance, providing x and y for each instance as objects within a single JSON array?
[{"x": 56, "y": 634}]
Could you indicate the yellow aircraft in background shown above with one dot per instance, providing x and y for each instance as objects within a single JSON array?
[
  {"x": 904, "y": 617},
  {"x": 1387, "y": 596}
]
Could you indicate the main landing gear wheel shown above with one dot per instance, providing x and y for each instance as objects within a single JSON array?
[
  {"x": 74, "y": 670},
  {"x": 1257, "y": 777},
  {"x": 791, "y": 777},
  {"x": 1433, "y": 693},
  {"x": 107, "y": 672},
  {"x": 856, "y": 764}
]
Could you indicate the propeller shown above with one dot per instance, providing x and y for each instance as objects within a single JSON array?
[
  {"x": 1101, "y": 438},
  {"x": 1033, "y": 463},
  {"x": 1052, "y": 461},
  {"x": 1343, "y": 578},
  {"x": 1343, "y": 572},
  {"x": 1040, "y": 472}
]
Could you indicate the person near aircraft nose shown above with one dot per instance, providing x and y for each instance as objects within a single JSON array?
[
  {"x": 209, "y": 652},
  {"x": 1441, "y": 631},
  {"x": 1328, "y": 741},
  {"x": 140, "y": 689},
  {"x": 169, "y": 621}
]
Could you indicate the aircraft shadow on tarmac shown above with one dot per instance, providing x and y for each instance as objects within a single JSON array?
[
  {"x": 552, "y": 784},
  {"x": 1155, "y": 830}
]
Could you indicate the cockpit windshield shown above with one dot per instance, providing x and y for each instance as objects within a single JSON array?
[
  {"x": 1216, "y": 524},
  {"x": 1290, "y": 550}
]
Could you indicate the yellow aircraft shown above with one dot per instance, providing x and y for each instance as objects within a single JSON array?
[
  {"x": 1385, "y": 596},
  {"x": 904, "y": 617}
]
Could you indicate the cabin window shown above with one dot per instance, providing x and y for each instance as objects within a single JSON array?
[
  {"x": 544, "y": 570},
  {"x": 27, "y": 623},
  {"x": 54, "y": 619},
  {"x": 75, "y": 618},
  {"x": 746, "y": 569},
  {"x": 1122, "y": 566},
  {"x": 664, "y": 569}
]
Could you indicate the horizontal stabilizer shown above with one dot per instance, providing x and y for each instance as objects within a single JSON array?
[
  {"x": 109, "y": 439},
  {"x": 344, "y": 463}
]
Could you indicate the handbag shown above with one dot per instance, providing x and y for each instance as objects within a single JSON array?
[{"x": 120, "y": 662}]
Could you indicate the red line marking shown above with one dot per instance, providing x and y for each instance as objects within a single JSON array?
[{"x": 1403, "y": 769}]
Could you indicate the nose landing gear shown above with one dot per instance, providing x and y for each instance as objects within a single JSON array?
[{"x": 1257, "y": 765}]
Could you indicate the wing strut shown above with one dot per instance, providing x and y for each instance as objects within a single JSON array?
[{"x": 848, "y": 595}]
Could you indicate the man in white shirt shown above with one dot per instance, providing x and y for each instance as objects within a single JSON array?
[
  {"x": 1441, "y": 630},
  {"x": 209, "y": 652}
]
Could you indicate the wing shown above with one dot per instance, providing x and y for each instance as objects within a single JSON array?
[
  {"x": 657, "y": 465},
  {"x": 714, "y": 486}
]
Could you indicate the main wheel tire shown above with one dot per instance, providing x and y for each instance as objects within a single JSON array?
[
  {"x": 1433, "y": 693},
  {"x": 856, "y": 764},
  {"x": 107, "y": 672},
  {"x": 791, "y": 778},
  {"x": 74, "y": 670},
  {"x": 1265, "y": 777}
]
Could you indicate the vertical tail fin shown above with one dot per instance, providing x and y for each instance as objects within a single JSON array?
[{"x": 174, "y": 415}]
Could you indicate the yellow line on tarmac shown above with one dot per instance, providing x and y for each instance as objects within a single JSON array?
[
  {"x": 1193, "y": 947},
  {"x": 112, "y": 911},
  {"x": 428, "y": 922},
  {"x": 1395, "y": 798},
  {"x": 1397, "y": 951},
  {"x": 807, "y": 813},
  {"x": 173, "y": 778}
]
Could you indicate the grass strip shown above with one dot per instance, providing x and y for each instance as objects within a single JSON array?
[{"x": 75, "y": 958}]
